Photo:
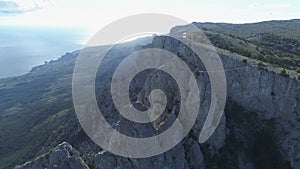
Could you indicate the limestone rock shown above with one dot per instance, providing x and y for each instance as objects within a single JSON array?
[{"x": 64, "y": 156}]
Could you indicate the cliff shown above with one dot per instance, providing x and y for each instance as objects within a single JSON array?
[{"x": 259, "y": 129}]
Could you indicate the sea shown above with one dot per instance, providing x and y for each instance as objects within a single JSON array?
[{"x": 22, "y": 48}]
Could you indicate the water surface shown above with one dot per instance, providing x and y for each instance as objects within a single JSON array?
[{"x": 22, "y": 48}]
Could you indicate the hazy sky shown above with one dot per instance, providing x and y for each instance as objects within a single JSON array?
[
  {"x": 65, "y": 25},
  {"x": 94, "y": 14}
]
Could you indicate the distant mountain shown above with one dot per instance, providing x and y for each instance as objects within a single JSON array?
[{"x": 284, "y": 28}]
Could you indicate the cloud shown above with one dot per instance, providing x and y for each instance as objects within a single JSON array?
[
  {"x": 9, "y": 7},
  {"x": 276, "y": 6},
  {"x": 270, "y": 6},
  {"x": 15, "y": 7}
]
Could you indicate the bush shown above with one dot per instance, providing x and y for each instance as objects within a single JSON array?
[
  {"x": 261, "y": 64},
  {"x": 298, "y": 70},
  {"x": 284, "y": 73}
]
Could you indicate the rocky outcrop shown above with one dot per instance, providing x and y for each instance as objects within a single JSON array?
[
  {"x": 180, "y": 157},
  {"x": 271, "y": 97},
  {"x": 63, "y": 156}
]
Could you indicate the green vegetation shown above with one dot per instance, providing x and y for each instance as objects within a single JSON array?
[
  {"x": 34, "y": 111},
  {"x": 261, "y": 64},
  {"x": 284, "y": 73},
  {"x": 274, "y": 42}
]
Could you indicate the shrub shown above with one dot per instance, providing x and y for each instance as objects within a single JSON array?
[
  {"x": 197, "y": 72},
  {"x": 284, "y": 73},
  {"x": 261, "y": 64}
]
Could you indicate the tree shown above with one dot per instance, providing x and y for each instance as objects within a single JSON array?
[
  {"x": 284, "y": 73},
  {"x": 261, "y": 64}
]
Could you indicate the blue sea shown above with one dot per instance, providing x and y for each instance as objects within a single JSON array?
[{"x": 22, "y": 48}]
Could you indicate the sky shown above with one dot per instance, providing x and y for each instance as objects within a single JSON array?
[
  {"x": 33, "y": 31},
  {"x": 95, "y": 14}
]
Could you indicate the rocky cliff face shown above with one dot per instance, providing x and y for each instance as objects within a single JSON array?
[
  {"x": 62, "y": 156},
  {"x": 274, "y": 99},
  {"x": 260, "y": 127}
]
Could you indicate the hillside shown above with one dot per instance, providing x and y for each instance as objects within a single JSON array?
[
  {"x": 32, "y": 107},
  {"x": 259, "y": 129},
  {"x": 275, "y": 42}
]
